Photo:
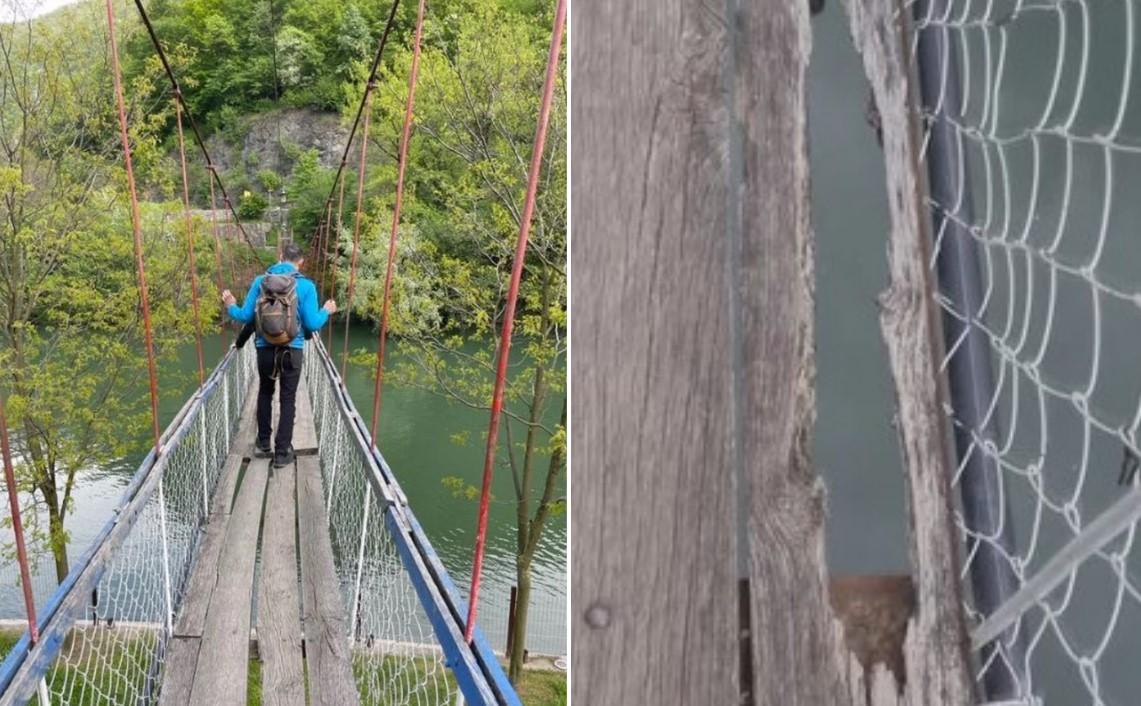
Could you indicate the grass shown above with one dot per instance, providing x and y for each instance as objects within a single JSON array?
[
  {"x": 543, "y": 688},
  {"x": 411, "y": 676}
]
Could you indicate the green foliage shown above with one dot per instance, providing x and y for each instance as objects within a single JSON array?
[
  {"x": 70, "y": 359},
  {"x": 270, "y": 180},
  {"x": 476, "y": 108},
  {"x": 252, "y": 206}
]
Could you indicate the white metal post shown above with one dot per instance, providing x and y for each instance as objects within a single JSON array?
[
  {"x": 333, "y": 470},
  {"x": 202, "y": 446},
  {"x": 360, "y": 567},
  {"x": 226, "y": 406},
  {"x": 168, "y": 621}
]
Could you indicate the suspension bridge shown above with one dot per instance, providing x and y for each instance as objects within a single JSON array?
[{"x": 317, "y": 573}]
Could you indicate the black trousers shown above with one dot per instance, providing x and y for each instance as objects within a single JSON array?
[{"x": 275, "y": 364}]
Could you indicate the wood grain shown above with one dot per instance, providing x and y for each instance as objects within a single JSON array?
[
  {"x": 935, "y": 647},
  {"x": 178, "y": 676},
  {"x": 204, "y": 576},
  {"x": 654, "y": 614},
  {"x": 279, "y": 600},
  {"x": 304, "y": 427},
  {"x": 223, "y": 664},
  {"x": 323, "y": 615},
  {"x": 799, "y": 652}
]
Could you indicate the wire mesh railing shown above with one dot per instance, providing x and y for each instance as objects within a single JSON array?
[
  {"x": 104, "y": 632},
  {"x": 1033, "y": 146},
  {"x": 404, "y": 614}
]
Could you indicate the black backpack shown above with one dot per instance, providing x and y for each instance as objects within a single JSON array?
[{"x": 275, "y": 313}]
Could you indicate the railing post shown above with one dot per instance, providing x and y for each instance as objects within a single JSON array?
[
  {"x": 360, "y": 566},
  {"x": 226, "y": 406},
  {"x": 205, "y": 463},
  {"x": 986, "y": 508},
  {"x": 333, "y": 469},
  {"x": 168, "y": 623}
]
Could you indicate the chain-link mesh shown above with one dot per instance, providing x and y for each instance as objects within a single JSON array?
[
  {"x": 114, "y": 647},
  {"x": 396, "y": 657},
  {"x": 1038, "y": 189}
]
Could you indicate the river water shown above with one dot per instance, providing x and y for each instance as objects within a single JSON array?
[{"x": 416, "y": 438}]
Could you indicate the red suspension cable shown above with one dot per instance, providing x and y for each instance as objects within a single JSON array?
[
  {"x": 404, "y": 139},
  {"x": 18, "y": 528},
  {"x": 190, "y": 244},
  {"x": 323, "y": 252},
  {"x": 336, "y": 255},
  {"x": 218, "y": 259},
  {"x": 136, "y": 226},
  {"x": 357, "y": 225},
  {"x": 509, "y": 312}
]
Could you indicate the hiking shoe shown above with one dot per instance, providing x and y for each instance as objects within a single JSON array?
[
  {"x": 262, "y": 450},
  {"x": 283, "y": 457}
]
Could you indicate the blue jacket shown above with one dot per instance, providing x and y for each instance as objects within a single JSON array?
[{"x": 312, "y": 317}]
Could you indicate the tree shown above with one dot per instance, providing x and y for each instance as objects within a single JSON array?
[
  {"x": 69, "y": 320},
  {"x": 477, "y": 106}
]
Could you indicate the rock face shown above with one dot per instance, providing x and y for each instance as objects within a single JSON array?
[{"x": 272, "y": 136}]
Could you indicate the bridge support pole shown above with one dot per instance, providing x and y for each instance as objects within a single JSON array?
[
  {"x": 205, "y": 463},
  {"x": 986, "y": 508},
  {"x": 168, "y": 617},
  {"x": 333, "y": 468},
  {"x": 360, "y": 567}
]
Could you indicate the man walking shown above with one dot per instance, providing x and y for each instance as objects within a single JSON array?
[{"x": 283, "y": 306}]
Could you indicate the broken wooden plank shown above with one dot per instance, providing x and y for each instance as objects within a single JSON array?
[
  {"x": 279, "y": 600},
  {"x": 937, "y": 666},
  {"x": 223, "y": 664},
  {"x": 326, "y": 626}
]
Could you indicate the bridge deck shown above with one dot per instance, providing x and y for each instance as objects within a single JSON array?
[{"x": 297, "y": 590}]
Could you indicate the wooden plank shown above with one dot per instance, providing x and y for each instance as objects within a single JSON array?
[
  {"x": 178, "y": 675},
  {"x": 937, "y": 666},
  {"x": 199, "y": 589},
  {"x": 279, "y": 600},
  {"x": 304, "y": 427},
  {"x": 247, "y": 430},
  {"x": 223, "y": 498},
  {"x": 798, "y": 646},
  {"x": 326, "y": 634},
  {"x": 654, "y": 579},
  {"x": 223, "y": 663}
]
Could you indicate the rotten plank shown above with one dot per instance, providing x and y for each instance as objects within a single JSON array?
[{"x": 937, "y": 667}]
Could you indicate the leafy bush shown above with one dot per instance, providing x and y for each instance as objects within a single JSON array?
[
  {"x": 252, "y": 206},
  {"x": 269, "y": 180}
]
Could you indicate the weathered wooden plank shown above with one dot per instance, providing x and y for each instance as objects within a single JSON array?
[
  {"x": 200, "y": 587},
  {"x": 654, "y": 579},
  {"x": 326, "y": 634},
  {"x": 223, "y": 664},
  {"x": 244, "y": 440},
  {"x": 937, "y": 667},
  {"x": 178, "y": 675},
  {"x": 304, "y": 428},
  {"x": 223, "y": 498},
  {"x": 799, "y": 651},
  {"x": 279, "y": 600}
]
